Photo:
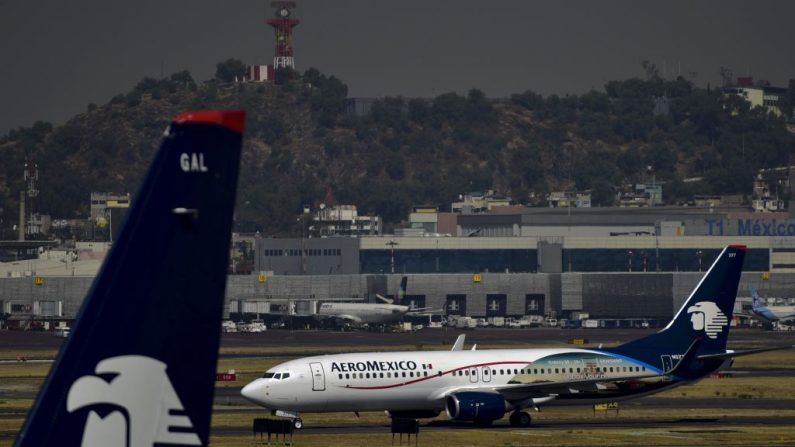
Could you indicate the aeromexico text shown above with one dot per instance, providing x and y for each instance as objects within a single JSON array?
[{"x": 373, "y": 366}]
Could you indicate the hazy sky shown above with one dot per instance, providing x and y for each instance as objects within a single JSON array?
[{"x": 58, "y": 56}]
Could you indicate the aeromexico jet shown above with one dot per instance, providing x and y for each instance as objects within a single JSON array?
[
  {"x": 138, "y": 368},
  {"x": 482, "y": 386}
]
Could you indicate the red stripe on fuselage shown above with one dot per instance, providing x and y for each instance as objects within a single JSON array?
[{"x": 436, "y": 375}]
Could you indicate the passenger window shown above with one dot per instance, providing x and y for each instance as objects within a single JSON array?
[
  {"x": 542, "y": 370},
  {"x": 382, "y": 375},
  {"x": 404, "y": 373},
  {"x": 611, "y": 369},
  {"x": 426, "y": 373},
  {"x": 361, "y": 375},
  {"x": 535, "y": 371},
  {"x": 340, "y": 376},
  {"x": 578, "y": 370},
  {"x": 466, "y": 373},
  {"x": 367, "y": 375},
  {"x": 347, "y": 376},
  {"x": 502, "y": 372}
]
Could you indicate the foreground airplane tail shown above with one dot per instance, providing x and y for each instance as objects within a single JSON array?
[
  {"x": 706, "y": 314},
  {"x": 139, "y": 365}
]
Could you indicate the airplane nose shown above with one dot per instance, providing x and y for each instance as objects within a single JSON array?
[{"x": 254, "y": 392}]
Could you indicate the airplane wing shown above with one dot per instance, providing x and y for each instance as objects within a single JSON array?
[
  {"x": 347, "y": 318},
  {"x": 424, "y": 311}
]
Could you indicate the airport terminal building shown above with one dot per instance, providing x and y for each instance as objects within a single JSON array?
[{"x": 607, "y": 262}]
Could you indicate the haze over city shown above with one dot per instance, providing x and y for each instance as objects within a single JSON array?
[{"x": 60, "y": 56}]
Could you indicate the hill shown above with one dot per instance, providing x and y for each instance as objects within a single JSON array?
[{"x": 300, "y": 144}]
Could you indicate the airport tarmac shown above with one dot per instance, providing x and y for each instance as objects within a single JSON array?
[
  {"x": 675, "y": 413},
  {"x": 739, "y": 338}
]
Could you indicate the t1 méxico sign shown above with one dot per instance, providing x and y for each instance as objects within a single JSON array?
[{"x": 749, "y": 227}]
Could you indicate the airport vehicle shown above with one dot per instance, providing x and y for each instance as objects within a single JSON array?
[
  {"x": 481, "y": 386},
  {"x": 369, "y": 313},
  {"x": 139, "y": 365},
  {"x": 771, "y": 314}
]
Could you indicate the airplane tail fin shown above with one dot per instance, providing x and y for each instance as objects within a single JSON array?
[
  {"x": 756, "y": 303},
  {"x": 706, "y": 313},
  {"x": 402, "y": 291},
  {"x": 139, "y": 365}
]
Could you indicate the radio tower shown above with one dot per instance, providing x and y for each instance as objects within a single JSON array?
[
  {"x": 283, "y": 24},
  {"x": 31, "y": 177}
]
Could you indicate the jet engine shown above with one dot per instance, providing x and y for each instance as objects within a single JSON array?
[{"x": 475, "y": 406}]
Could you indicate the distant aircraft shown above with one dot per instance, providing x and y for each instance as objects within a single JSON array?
[
  {"x": 139, "y": 366},
  {"x": 482, "y": 386},
  {"x": 369, "y": 313},
  {"x": 770, "y": 314}
]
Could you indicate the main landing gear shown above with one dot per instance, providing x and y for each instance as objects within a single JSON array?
[
  {"x": 298, "y": 424},
  {"x": 520, "y": 419}
]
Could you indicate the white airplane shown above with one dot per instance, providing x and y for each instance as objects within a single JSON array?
[
  {"x": 770, "y": 314},
  {"x": 481, "y": 386},
  {"x": 138, "y": 367},
  {"x": 370, "y": 313}
]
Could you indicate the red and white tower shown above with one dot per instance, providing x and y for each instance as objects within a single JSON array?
[{"x": 283, "y": 23}]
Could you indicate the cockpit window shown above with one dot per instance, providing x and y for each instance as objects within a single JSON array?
[
  {"x": 268, "y": 375},
  {"x": 285, "y": 375},
  {"x": 278, "y": 376}
]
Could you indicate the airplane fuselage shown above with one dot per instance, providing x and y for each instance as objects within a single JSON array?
[
  {"x": 362, "y": 312},
  {"x": 421, "y": 380},
  {"x": 772, "y": 314}
]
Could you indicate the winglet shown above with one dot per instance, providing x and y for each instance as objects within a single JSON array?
[{"x": 459, "y": 343}]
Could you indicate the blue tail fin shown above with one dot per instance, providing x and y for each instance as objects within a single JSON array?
[
  {"x": 756, "y": 303},
  {"x": 707, "y": 313},
  {"x": 139, "y": 365}
]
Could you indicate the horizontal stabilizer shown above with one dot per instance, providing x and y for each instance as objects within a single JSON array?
[
  {"x": 384, "y": 299},
  {"x": 732, "y": 354}
]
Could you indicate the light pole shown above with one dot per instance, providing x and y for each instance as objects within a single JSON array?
[{"x": 391, "y": 245}]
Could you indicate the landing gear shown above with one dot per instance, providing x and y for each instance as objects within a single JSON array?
[
  {"x": 298, "y": 424},
  {"x": 520, "y": 419}
]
